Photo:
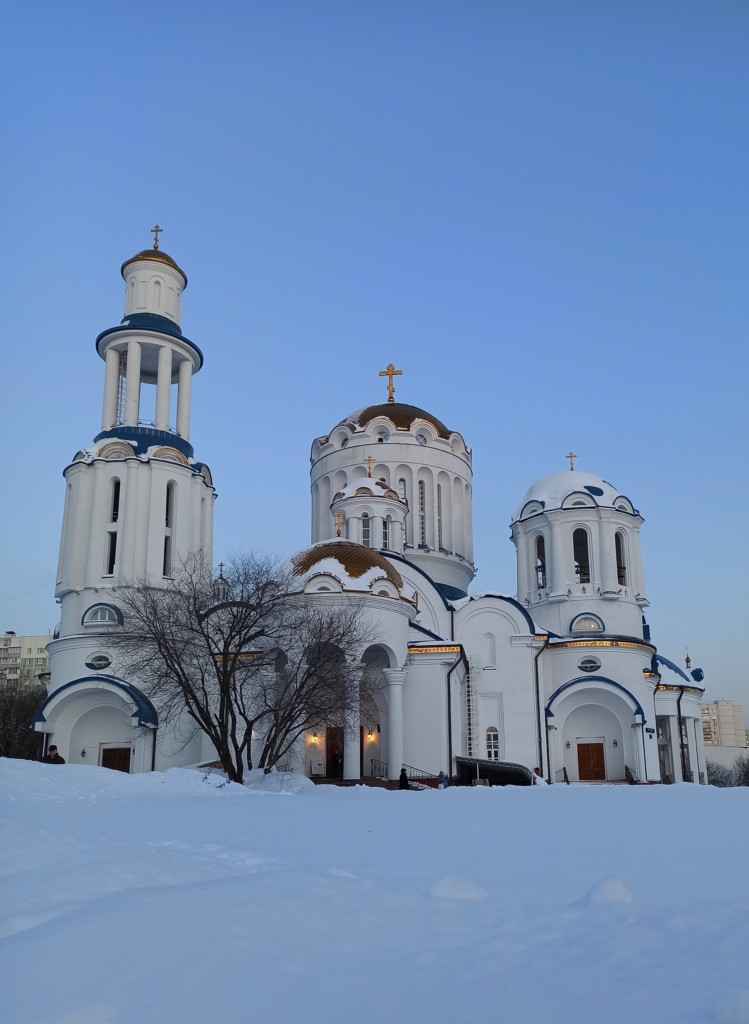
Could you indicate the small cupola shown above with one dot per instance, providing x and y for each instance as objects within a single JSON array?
[{"x": 371, "y": 513}]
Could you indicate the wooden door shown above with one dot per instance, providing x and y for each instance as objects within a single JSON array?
[
  {"x": 117, "y": 758},
  {"x": 591, "y": 766}
]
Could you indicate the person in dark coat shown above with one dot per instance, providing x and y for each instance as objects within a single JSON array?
[
  {"x": 52, "y": 757},
  {"x": 403, "y": 780}
]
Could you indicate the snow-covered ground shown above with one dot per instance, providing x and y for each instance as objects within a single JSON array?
[{"x": 171, "y": 898}]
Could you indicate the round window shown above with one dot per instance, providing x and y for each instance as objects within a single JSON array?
[
  {"x": 98, "y": 662},
  {"x": 422, "y": 438},
  {"x": 382, "y": 435},
  {"x": 344, "y": 442},
  {"x": 589, "y": 664}
]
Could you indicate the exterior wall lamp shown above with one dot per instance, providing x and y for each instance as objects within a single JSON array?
[{"x": 567, "y": 744}]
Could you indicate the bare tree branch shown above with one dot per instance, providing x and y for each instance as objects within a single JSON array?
[{"x": 251, "y": 657}]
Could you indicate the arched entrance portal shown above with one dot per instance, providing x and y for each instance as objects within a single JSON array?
[
  {"x": 102, "y": 721},
  {"x": 591, "y": 735}
]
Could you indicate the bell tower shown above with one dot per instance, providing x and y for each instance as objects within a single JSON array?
[
  {"x": 137, "y": 502},
  {"x": 579, "y": 567}
]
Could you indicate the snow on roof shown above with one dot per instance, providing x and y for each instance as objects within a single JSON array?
[{"x": 550, "y": 491}]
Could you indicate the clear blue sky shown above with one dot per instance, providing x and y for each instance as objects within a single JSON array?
[{"x": 538, "y": 210}]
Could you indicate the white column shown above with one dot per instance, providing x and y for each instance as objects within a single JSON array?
[
  {"x": 129, "y": 527},
  {"x": 558, "y": 573},
  {"x": 132, "y": 394},
  {"x": 606, "y": 556},
  {"x": 395, "y": 678},
  {"x": 163, "y": 384},
  {"x": 524, "y": 585},
  {"x": 469, "y": 524},
  {"x": 375, "y": 525},
  {"x": 183, "y": 398},
  {"x": 111, "y": 384},
  {"x": 351, "y": 734}
]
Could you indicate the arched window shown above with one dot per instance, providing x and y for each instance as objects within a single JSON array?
[
  {"x": 111, "y": 537},
  {"x": 581, "y": 555},
  {"x": 114, "y": 504},
  {"x": 540, "y": 563},
  {"x": 366, "y": 535},
  {"x": 621, "y": 562},
  {"x": 586, "y": 623},
  {"x": 102, "y": 614},
  {"x": 402, "y": 489},
  {"x": 171, "y": 492},
  {"x": 492, "y": 743},
  {"x": 386, "y": 523}
]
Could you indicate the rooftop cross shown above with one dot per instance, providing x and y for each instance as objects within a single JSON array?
[
  {"x": 390, "y": 372},
  {"x": 571, "y": 456},
  {"x": 338, "y": 520},
  {"x": 369, "y": 460},
  {"x": 155, "y": 232}
]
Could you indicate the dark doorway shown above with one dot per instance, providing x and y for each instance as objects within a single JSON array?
[
  {"x": 117, "y": 758},
  {"x": 334, "y": 752}
]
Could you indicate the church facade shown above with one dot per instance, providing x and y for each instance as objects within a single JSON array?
[{"x": 561, "y": 679}]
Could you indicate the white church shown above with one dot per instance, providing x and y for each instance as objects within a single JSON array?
[{"x": 561, "y": 680}]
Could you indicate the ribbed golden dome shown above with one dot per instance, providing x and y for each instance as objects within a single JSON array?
[
  {"x": 400, "y": 415},
  {"x": 156, "y": 256},
  {"x": 355, "y": 559}
]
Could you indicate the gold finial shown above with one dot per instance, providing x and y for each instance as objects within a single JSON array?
[
  {"x": 390, "y": 372},
  {"x": 571, "y": 456},
  {"x": 369, "y": 460},
  {"x": 155, "y": 232},
  {"x": 687, "y": 660},
  {"x": 338, "y": 521}
]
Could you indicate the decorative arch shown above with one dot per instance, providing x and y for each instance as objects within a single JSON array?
[
  {"x": 140, "y": 707},
  {"x": 585, "y": 681},
  {"x": 489, "y": 644},
  {"x": 587, "y": 622},
  {"x": 102, "y": 614}
]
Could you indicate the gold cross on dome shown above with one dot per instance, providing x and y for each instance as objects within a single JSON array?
[
  {"x": 338, "y": 521},
  {"x": 571, "y": 456},
  {"x": 390, "y": 372},
  {"x": 155, "y": 232},
  {"x": 369, "y": 460}
]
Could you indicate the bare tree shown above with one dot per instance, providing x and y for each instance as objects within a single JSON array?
[
  {"x": 244, "y": 655},
  {"x": 19, "y": 701}
]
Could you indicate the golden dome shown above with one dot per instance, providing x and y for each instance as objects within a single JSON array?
[
  {"x": 355, "y": 559},
  {"x": 156, "y": 256},
  {"x": 400, "y": 415}
]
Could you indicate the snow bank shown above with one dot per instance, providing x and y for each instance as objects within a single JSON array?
[{"x": 177, "y": 897}]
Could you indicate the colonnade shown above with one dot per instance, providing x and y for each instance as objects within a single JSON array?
[{"x": 167, "y": 356}]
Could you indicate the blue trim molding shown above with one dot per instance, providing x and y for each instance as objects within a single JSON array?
[
  {"x": 152, "y": 322},
  {"x": 144, "y": 714},
  {"x": 143, "y": 438},
  {"x": 674, "y": 668},
  {"x": 130, "y": 325}
]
